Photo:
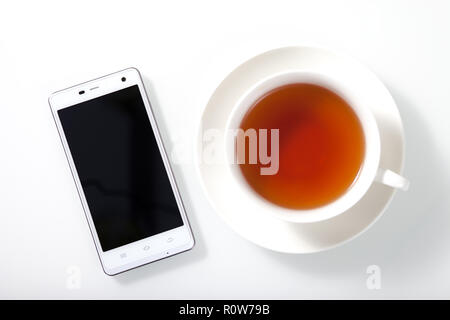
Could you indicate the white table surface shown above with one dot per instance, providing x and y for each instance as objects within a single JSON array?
[{"x": 184, "y": 49}]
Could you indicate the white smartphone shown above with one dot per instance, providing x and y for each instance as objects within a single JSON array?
[{"x": 121, "y": 171}]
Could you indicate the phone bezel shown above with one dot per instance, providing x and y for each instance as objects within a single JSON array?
[{"x": 157, "y": 246}]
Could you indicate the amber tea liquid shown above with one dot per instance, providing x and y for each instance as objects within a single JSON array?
[{"x": 321, "y": 145}]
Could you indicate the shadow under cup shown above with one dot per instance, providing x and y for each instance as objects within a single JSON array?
[{"x": 321, "y": 133}]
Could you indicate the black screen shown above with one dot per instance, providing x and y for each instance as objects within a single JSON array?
[{"x": 120, "y": 168}]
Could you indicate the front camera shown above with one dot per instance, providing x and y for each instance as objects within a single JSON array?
[{"x": 124, "y": 79}]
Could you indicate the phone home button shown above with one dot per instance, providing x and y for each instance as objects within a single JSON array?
[{"x": 146, "y": 248}]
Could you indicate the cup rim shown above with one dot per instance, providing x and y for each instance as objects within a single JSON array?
[{"x": 362, "y": 181}]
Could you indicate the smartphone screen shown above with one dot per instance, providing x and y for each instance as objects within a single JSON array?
[{"x": 120, "y": 167}]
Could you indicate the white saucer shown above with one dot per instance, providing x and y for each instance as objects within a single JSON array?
[{"x": 270, "y": 232}]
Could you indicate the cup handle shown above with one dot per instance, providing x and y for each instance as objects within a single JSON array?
[{"x": 391, "y": 179}]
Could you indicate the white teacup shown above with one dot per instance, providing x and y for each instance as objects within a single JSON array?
[{"x": 369, "y": 173}]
